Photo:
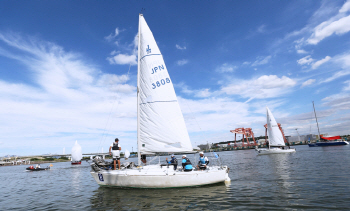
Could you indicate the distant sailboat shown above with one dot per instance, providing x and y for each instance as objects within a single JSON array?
[
  {"x": 76, "y": 154},
  {"x": 276, "y": 139},
  {"x": 160, "y": 128},
  {"x": 327, "y": 141}
]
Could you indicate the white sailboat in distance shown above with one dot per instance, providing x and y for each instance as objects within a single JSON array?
[
  {"x": 160, "y": 128},
  {"x": 276, "y": 139}
]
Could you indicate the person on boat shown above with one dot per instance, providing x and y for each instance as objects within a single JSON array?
[
  {"x": 267, "y": 144},
  {"x": 186, "y": 163},
  {"x": 288, "y": 145},
  {"x": 115, "y": 147},
  {"x": 172, "y": 161},
  {"x": 143, "y": 159},
  {"x": 203, "y": 161}
]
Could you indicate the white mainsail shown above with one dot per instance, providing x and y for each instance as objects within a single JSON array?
[
  {"x": 161, "y": 126},
  {"x": 274, "y": 133},
  {"x": 77, "y": 154}
]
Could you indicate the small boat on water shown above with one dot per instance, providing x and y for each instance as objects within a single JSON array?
[
  {"x": 77, "y": 154},
  {"x": 276, "y": 138},
  {"x": 326, "y": 141},
  {"x": 329, "y": 141},
  {"x": 32, "y": 168}
]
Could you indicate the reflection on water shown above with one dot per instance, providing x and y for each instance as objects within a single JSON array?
[
  {"x": 159, "y": 199},
  {"x": 312, "y": 178}
]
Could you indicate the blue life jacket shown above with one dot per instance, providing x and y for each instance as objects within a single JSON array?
[
  {"x": 188, "y": 167},
  {"x": 202, "y": 160},
  {"x": 186, "y": 163}
]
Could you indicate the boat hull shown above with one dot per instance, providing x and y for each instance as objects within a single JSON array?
[
  {"x": 76, "y": 162},
  {"x": 328, "y": 143},
  {"x": 150, "y": 177},
  {"x": 37, "y": 169},
  {"x": 274, "y": 151}
]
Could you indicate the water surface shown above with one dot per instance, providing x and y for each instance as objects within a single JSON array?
[{"x": 311, "y": 179}]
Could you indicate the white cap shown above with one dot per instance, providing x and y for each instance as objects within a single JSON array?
[
  {"x": 201, "y": 153},
  {"x": 183, "y": 155},
  {"x": 172, "y": 155}
]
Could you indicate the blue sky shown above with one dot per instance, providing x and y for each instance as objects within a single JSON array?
[{"x": 68, "y": 69}]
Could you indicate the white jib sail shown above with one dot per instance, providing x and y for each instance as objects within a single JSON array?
[
  {"x": 161, "y": 124},
  {"x": 76, "y": 152},
  {"x": 274, "y": 133}
]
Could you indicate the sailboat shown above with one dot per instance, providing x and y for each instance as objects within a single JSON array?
[
  {"x": 276, "y": 138},
  {"x": 76, "y": 154},
  {"x": 160, "y": 128},
  {"x": 326, "y": 141}
]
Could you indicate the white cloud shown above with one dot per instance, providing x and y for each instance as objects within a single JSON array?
[
  {"x": 179, "y": 47},
  {"x": 226, "y": 68},
  {"x": 182, "y": 62},
  {"x": 201, "y": 93},
  {"x": 328, "y": 28},
  {"x": 261, "y": 61},
  {"x": 339, "y": 101},
  {"x": 320, "y": 62},
  {"x": 123, "y": 59},
  {"x": 110, "y": 37},
  {"x": 300, "y": 51},
  {"x": 308, "y": 82},
  {"x": 345, "y": 7},
  {"x": 266, "y": 86},
  {"x": 262, "y": 28},
  {"x": 336, "y": 76},
  {"x": 305, "y": 60},
  {"x": 67, "y": 97},
  {"x": 347, "y": 85}
]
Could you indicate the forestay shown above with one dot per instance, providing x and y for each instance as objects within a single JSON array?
[
  {"x": 274, "y": 133},
  {"x": 161, "y": 124}
]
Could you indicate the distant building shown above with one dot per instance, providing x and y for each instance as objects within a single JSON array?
[
  {"x": 204, "y": 146},
  {"x": 310, "y": 137}
]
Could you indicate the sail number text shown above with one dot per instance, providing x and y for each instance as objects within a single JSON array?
[
  {"x": 154, "y": 70},
  {"x": 159, "y": 83}
]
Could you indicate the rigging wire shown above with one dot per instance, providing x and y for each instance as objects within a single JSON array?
[{"x": 105, "y": 132}]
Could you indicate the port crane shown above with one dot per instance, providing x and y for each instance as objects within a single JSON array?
[{"x": 247, "y": 132}]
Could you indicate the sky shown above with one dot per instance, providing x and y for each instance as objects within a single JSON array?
[{"x": 68, "y": 69}]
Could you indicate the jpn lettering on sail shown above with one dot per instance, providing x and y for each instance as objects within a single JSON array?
[
  {"x": 274, "y": 133},
  {"x": 162, "y": 127}
]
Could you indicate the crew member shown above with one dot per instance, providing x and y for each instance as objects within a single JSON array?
[
  {"x": 172, "y": 161},
  {"x": 186, "y": 164},
  {"x": 203, "y": 161},
  {"x": 143, "y": 159},
  {"x": 115, "y": 147}
]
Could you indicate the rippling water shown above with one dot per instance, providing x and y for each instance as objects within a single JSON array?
[{"x": 312, "y": 178}]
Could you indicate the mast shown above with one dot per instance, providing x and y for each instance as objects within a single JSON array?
[
  {"x": 138, "y": 96},
  {"x": 319, "y": 135}
]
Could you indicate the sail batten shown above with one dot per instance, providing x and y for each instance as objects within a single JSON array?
[{"x": 161, "y": 126}]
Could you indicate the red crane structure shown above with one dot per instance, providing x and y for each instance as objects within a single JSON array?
[
  {"x": 280, "y": 127},
  {"x": 248, "y": 132}
]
